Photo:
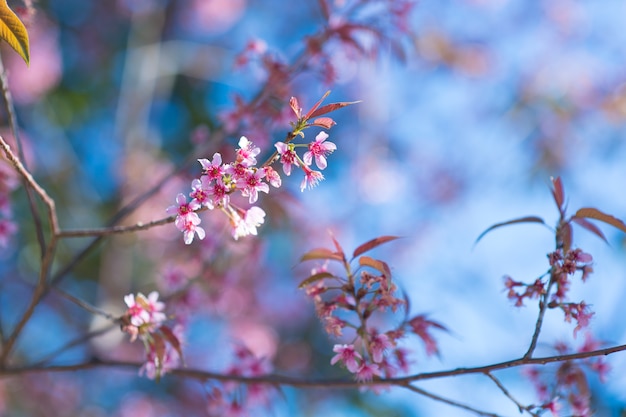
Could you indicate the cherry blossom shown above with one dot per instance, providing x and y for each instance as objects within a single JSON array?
[
  {"x": 212, "y": 169},
  {"x": 247, "y": 152},
  {"x": 272, "y": 176},
  {"x": 319, "y": 149},
  {"x": 248, "y": 224},
  {"x": 189, "y": 226},
  {"x": 144, "y": 314},
  {"x": 311, "y": 178},
  {"x": 348, "y": 356},
  {"x": 366, "y": 372},
  {"x": 378, "y": 344},
  {"x": 288, "y": 156},
  {"x": 251, "y": 183},
  {"x": 199, "y": 193}
]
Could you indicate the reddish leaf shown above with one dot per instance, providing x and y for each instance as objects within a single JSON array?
[
  {"x": 380, "y": 266},
  {"x": 592, "y": 213},
  {"x": 527, "y": 219},
  {"x": 159, "y": 349},
  {"x": 325, "y": 9},
  {"x": 314, "y": 278},
  {"x": 295, "y": 106},
  {"x": 557, "y": 192},
  {"x": 566, "y": 237},
  {"x": 325, "y": 122},
  {"x": 172, "y": 340},
  {"x": 420, "y": 325},
  {"x": 372, "y": 244},
  {"x": 321, "y": 253},
  {"x": 316, "y": 105},
  {"x": 590, "y": 226},
  {"x": 330, "y": 108},
  {"x": 339, "y": 248}
]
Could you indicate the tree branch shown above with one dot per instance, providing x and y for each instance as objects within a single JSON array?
[
  {"x": 8, "y": 102},
  {"x": 506, "y": 392},
  {"x": 275, "y": 379}
]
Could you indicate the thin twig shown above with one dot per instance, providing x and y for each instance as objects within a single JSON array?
[
  {"x": 449, "y": 402},
  {"x": 543, "y": 306},
  {"x": 506, "y": 392},
  {"x": 115, "y": 230},
  {"x": 73, "y": 343},
  {"x": 8, "y": 102},
  {"x": 85, "y": 305},
  {"x": 49, "y": 251}
]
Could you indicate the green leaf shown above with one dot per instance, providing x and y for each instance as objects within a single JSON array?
[
  {"x": 527, "y": 219},
  {"x": 13, "y": 31},
  {"x": 372, "y": 244},
  {"x": 592, "y": 213},
  {"x": 314, "y": 278}
]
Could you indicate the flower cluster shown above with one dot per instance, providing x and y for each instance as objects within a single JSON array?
[
  {"x": 565, "y": 390},
  {"x": 220, "y": 180},
  {"x": 234, "y": 399},
  {"x": 347, "y": 303},
  {"x": 144, "y": 319},
  {"x": 562, "y": 268}
]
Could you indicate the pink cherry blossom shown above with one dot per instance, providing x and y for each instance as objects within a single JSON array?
[
  {"x": 311, "y": 178},
  {"x": 213, "y": 169},
  {"x": 219, "y": 193},
  {"x": 144, "y": 314},
  {"x": 379, "y": 343},
  {"x": 136, "y": 311},
  {"x": 182, "y": 208},
  {"x": 189, "y": 226},
  {"x": 272, "y": 176},
  {"x": 247, "y": 152},
  {"x": 247, "y": 225},
  {"x": 348, "y": 356},
  {"x": 199, "y": 193},
  {"x": 288, "y": 156},
  {"x": 366, "y": 372},
  {"x": 319, "y": 149},
  {"x": 251, "y": 184},
  {"x": 334, "y": 325}
]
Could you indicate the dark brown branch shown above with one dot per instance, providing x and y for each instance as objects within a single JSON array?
[
  {"x": 510, "y": 364},
  {"x": 318, "y": 383}
]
